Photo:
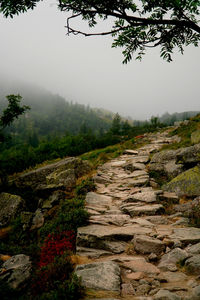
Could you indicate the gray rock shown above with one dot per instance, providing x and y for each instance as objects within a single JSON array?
[
  {"x": 187, "y": 235},
  {"x": 100, "y": 276},
  {"x": 172, "y": 277},
  {"x": 91, "y": 253},
  {"x": 196, "y": 292},
  {"x": 171, "y": 258},
  {"x": 195, "y": 137},
  {"x": 189, "y": 154},
  {"x": 143, "y": 289},
  {"x": 130, "y": 152},
  {"x": 172, "y": 169},
  {"x": 134, "y": 166},
  {"x": 193, "y": 249},
  {"x": 146, "y": 245},
  {"x": 186, "y": 208},
  {"x": 148, "y": 197},
  {"x": 95, "y": 236},
  {"x": 193, "y": 264},
  {"x": 16, "y": 271},
  {"x": 166, "y": 295},
  {"x": 38, "y": 220},
  {"x": 139, "y": 264},
  {"x": 187, "y": 183},
  {"x": 59, "y": 174},
  {"x": 144, "y": 210},
  {"x": 96, "y": 199},
  {"x": 10, "y": 207},
  {"x": 53, "y": 200},
  {"x": 127, "y": 289}
]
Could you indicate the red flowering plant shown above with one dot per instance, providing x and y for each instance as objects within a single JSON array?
[
  {"x": 54, "y": 264},
  {"x": 55, "y": 245}
]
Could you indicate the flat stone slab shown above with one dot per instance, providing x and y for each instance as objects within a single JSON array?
[
  {"x": 148, "y": 197},
  {"x": 96, "y": 199},
  {"x": 91, "y": 253},
  {"x": 107, "y": 232},
  {"x": 130, "y": 152},
  {"x": 118, "y": 220},
  {"x": 140, "y": 159},
  {"x": 188, "y": 235},
  {"x": 118, "y": 163},
  {"x": 139, "y": 264},
  {"x": 144, "y": 210},
  {"x": 100, "y": 275},
  {"x": 173, "y": 277}
]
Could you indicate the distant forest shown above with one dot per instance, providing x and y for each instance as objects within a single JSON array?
[{"x": 55, "y": 128}]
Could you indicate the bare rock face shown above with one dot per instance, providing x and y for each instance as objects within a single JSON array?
[
  {"x": 10, "y": 206},
  {"x": 60, "y": 174},
  {"x": 100, "y": 276},
  {"x": 16, "y": 271}
]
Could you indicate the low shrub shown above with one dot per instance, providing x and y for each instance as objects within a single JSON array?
[
  {"x": 70, "y": 215},
  {"x": 86, "y": 186}
]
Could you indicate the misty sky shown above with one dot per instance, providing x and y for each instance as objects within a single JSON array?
[{"x": 35, "y": 48}]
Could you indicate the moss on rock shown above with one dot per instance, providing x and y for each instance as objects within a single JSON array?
[{"x": 187, "y": 183}]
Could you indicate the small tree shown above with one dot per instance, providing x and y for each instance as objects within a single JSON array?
[
  {"x": 12, "y": 112},
  {"x": 116, "y": 125}
]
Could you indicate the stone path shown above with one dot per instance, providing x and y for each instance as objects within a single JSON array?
[{"x": 131, "y": 245}]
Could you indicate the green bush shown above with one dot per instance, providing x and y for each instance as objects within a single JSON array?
[
  {"x": 70, "y": 215},
  {"x": 70, "y": 289},
  {"x": 86, "y": 186}
]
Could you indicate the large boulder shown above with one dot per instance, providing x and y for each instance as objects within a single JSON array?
[
  {"x": 10, "y": 207},
  {"x": 173, "y": 162},
  {"x": 189, "y": 155},
  {"x": 100, "y": 275},
  {"x": 57, "y": 175},
  {"x": 165, "y": 161},
  {"x": 16, "y": 271},
  {"x": 187, "y": 183}
]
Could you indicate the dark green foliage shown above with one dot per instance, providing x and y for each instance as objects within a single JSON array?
[
  {"x": 19, "y": 240},
  {"x": 7, "y": 293},
  {"x": 137, "y": 25},
  {"x": 70, "y": 289},
  {"x": 13, "y": 7},
  {"x": 57, "y": 281},
  {"x": 85, "y": 187},
  {"x": 159, "y": 176},
  {"x": 13, "y": 111},
  {"x": 70, "y": 215}
]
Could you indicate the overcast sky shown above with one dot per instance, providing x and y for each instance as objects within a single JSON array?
[{"x": 34, "y": 47}]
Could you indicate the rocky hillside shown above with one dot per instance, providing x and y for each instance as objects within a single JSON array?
[{"x": 137, "y": 238}]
